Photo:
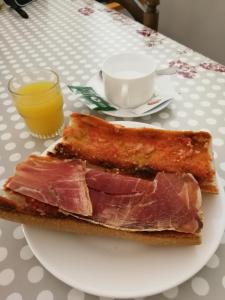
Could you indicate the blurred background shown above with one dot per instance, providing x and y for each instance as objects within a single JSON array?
[{"x": 198, "y": 24}]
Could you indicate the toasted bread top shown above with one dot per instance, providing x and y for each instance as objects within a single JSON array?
[{"x": 143, "y": 149}]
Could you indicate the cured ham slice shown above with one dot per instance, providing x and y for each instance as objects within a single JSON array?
[
  {"x": 56, "y": 182},
  {"x": 48, "y": 186},
  {"x": 169, "y": 202},
  {"x": 140, "y": 150},
  {"x": 113, "y": 183}
]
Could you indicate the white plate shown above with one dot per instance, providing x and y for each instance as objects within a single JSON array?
[
  {"x": 124, "y": 269},
  {"x": 163, "y": 84}
]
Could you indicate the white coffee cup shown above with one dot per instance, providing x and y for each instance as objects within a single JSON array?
[{"x": 129, "y": 79}]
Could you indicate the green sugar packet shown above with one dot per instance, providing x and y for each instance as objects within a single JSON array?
[{"x": 90, "y": 98}]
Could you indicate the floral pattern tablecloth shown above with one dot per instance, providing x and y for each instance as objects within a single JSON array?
[{"x": 73, "y": 38}]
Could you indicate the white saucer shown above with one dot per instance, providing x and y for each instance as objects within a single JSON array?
[{"x": 163, "y": 85}]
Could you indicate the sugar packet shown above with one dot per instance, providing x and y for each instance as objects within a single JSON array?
[{"x": 91, "y": 99}]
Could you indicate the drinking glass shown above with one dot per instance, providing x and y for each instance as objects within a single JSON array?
[{"x": 38, "y": 99}]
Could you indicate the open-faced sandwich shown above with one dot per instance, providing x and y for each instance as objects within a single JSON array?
[{"x": 104, "y": 179}]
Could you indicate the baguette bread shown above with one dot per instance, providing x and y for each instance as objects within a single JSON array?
[
  {"x": 73, "y": 225},
  {"x": 139, "y": 151},
  {"x": 17, "y": 207}
]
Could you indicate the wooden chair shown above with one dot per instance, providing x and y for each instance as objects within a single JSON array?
[{"x": 143, "y": 11}]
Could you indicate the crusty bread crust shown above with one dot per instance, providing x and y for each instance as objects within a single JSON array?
[
  {"x": 143, "y": 150},
  {"x": 70, "y": 224},
  {"x": 211, "y": 185}
]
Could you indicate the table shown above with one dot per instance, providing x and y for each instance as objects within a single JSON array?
[{"x": 73, "y": 38}]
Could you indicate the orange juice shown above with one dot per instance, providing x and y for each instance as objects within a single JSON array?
[{"x": 40, "y": 104}]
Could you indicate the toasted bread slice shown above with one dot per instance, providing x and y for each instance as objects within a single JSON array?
[
  {"x": 17, "y": 208},
  {"x": 70, "y": 224},
  {"x": 142, "y": 151}
]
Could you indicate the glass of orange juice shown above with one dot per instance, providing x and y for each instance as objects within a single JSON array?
[{"x": 39, "y": 101}]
